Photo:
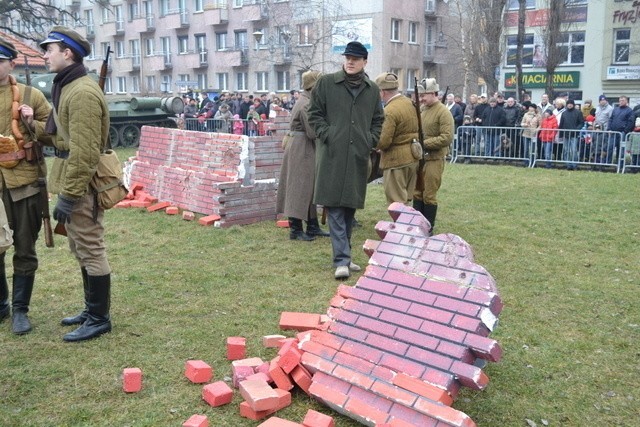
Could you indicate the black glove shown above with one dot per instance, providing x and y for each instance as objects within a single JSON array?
[{"x": 62, "y": 211}]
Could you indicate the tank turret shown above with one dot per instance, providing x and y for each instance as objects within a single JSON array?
[{"x": 127, "y": 114}]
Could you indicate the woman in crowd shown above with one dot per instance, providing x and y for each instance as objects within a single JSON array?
[{"x": 530, "y": 124}]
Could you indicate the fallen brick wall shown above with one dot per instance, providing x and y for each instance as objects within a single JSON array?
[
  {"x": 233, "y": 176},
  {"x": 413, "y": 330}
]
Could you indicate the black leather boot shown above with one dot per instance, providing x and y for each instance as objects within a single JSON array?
[
  {"x": 4, "y": 297},
  {"x": 80, "y": 318},
  {"x": 430, "y": 213},
  {"x": 296, "y": 232},
  {"x": 22, "y": 288},
  {"x": 313, "y": 229},
  {"x": 418, "y": 205},
  {"x": 98, "y": 303}
]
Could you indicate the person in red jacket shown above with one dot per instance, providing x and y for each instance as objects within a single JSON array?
[{"x": 547, "y": 134}]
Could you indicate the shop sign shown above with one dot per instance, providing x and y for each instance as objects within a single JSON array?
[
  {"x": 630, "y": 72},
  {"x": 532, "y": 80}
]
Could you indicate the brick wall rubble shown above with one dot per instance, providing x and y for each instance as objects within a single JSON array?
[
  {"x": 233, "y": 176},
  {"x": 414, "y": 329}
]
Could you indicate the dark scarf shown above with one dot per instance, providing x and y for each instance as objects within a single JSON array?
[
  {"x": 63, "y": 78},
  {"x": 354, "y": 80}
]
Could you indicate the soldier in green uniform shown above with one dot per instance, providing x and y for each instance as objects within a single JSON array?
[
  {"x": 80, "y": 121},
  {"x": 19, "y": 185},
  {"x": 438, "y": 128}
]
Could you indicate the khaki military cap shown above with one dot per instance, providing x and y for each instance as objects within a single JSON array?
[{"x": 75, "y": 41}]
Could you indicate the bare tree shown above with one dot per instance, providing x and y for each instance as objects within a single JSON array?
[
  {"x": 485, "y": 41},
  {"x": 522, "y": 8},
  {"x": 551, "y": 35}
]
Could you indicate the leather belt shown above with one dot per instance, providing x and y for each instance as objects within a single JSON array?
[{"x": 16, "y": 155}]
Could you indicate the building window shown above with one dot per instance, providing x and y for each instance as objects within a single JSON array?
[
  {"x": 221, "y": 41},
  {"x": 197, "y": 6},
  {"x": 571, "y": 47},
  {"x": 262, "y": 81},
  {"x": 120, "y": 49},
  {"x": 148, "y": 47},
  {"x": 165, "y": 86},
  {"x": 515, "y": 4},
  {"x": 621, "y": 42},
  {"x": 202, "y": 81},
  {"x": 395, "y": 30},
  {"x": 238, "y": 3},
  {"x": 397, "y": 71},
  {"x": 284, "y": 80},
  {"x": 164, "y": 7},
  {"x": 305, "y": 34},
  {"x": 223, "y": 81},
  {"x": 92, "y": 55},
  {"x": 166, "y": 49},
  {"x": 135, "y": 84},
  {"x": 242, "y": 81},
  {"x": 107, "y": 85},
  {"x": 183, "y": 45},
  {"x": 134, "y": 48},
  {"x": 413, "y": 32},
  {"x": 106, "y": 16},
  {"x": 122, "y": 85},
  {"x": 527, "y": 50},
  {"x": 411, "y": 78},
  {"x": 134, "y": 12},
  {"x": 241, "y": 39},
  {"x": 151, "y": 83}
]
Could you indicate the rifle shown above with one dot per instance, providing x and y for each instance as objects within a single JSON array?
[
  {"x": 104, "y": 69},
  {"x": 416, "y": 104},
  {"x": 42, "y": 178}
]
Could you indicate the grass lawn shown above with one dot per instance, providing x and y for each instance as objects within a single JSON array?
[{"x": 564, "y": 249}]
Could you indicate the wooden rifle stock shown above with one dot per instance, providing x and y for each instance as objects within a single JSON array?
[
  {"x": 416, "y": 104},
  {"x": 104, "y": 69},
  {"x": 42, "y": 180}
]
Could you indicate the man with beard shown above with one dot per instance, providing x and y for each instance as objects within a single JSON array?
[{"x": 346, "y": 113}]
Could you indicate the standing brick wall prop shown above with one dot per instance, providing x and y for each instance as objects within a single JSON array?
[
  {"x": 413, "y": 330},
  {"x": 233, "y": 176}
]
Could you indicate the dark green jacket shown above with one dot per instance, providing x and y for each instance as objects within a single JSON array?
[{"x": 347, "y": 129}]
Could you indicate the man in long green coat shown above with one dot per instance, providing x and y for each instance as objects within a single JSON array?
[{"x": 346, "y": 112}]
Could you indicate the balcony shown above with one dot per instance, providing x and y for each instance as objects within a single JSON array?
[
  {"x": 194, "y": 60},
  {"x": 282, "y": 55},
  {"x": 120, "y": 28},
  {"x": 215, "y": 15},
  {"x": 127, "y": 64},
  {"x": 90, "y": 31},
  {"x": 159, "y": 62},
  {"x": 233, "y": 58},
  {"x": 429, "y": 53},
  {"x": 146, "y": 24},
  {"x": 177, "y": 19},
  {"x": 255, "y": 10}
]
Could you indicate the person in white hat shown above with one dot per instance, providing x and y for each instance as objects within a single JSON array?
[
  {"x": 81, "y": 128},
  {"x": 399, "y": 129},
  {"x": 23, "y": 114},
  {"x": 438, "y": 127}
]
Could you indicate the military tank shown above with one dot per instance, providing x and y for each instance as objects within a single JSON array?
[{"x": 128, "y": 114}]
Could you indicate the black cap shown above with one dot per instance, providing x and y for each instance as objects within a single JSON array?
[{"x": 356, "y": 49}]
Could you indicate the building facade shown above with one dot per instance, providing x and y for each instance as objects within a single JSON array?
[
  {"x": 162, "y": 47},
  {"x": 600, "y": 43}
]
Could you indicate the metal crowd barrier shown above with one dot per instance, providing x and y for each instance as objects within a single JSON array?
[
  {"x": 570, "y": 149},
  {"x": 631, "y": 151},
  {"x": 237, "y": 126}
]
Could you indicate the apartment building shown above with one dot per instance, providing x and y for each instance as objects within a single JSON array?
[
  {"x": 600, "y": 43},
  {"x": 171, "y": 46}
]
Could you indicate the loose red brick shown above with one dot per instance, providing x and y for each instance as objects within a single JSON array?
[
  {"x": 299, "y": 321},
  {"x": 259, "y": 395},
  {"x": 302, "y": 377},
  {"x": 272, "y": 341},
  {"x": 285, "y": 344},
  {"x": 264, "y": 368},
  {"x": 446, "y": 414},
  {"x": 196, "y": 421},
  {"x": 139, "y": 204},
  {"x": 279, "y": 377},
  {"x": 315, "y": 363},
  {"x": 198, "y": 371},
  {"x": 317, "y": 419},
  {"x": 259, "y": 376},
  {"x": 282, "y": 223},
  {"x": 172, "y": 210},
  {"x": 236, "y": 348},
  {"x": 290, "y": 359},
  {"x": 240, "y": 373},
  {"x": 217, "y": 393},
  {"x": 132, "y": 380},
  {"x": 279, "y": 422},
  {"x": 209, "y": 219},
  {"x": 284, "y": 400},
  {"x": 188, "y": 216},
  {"x": 253, "y": 362},
  {"x": 158, "y": 206},
  {"x": 123, "y": 204}
]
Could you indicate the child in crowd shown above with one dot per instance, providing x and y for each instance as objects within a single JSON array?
[
  {"x": 548, "y": 132},
  {"x": 238, "y": 126},
  {"x": 634, "y": 145}
]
